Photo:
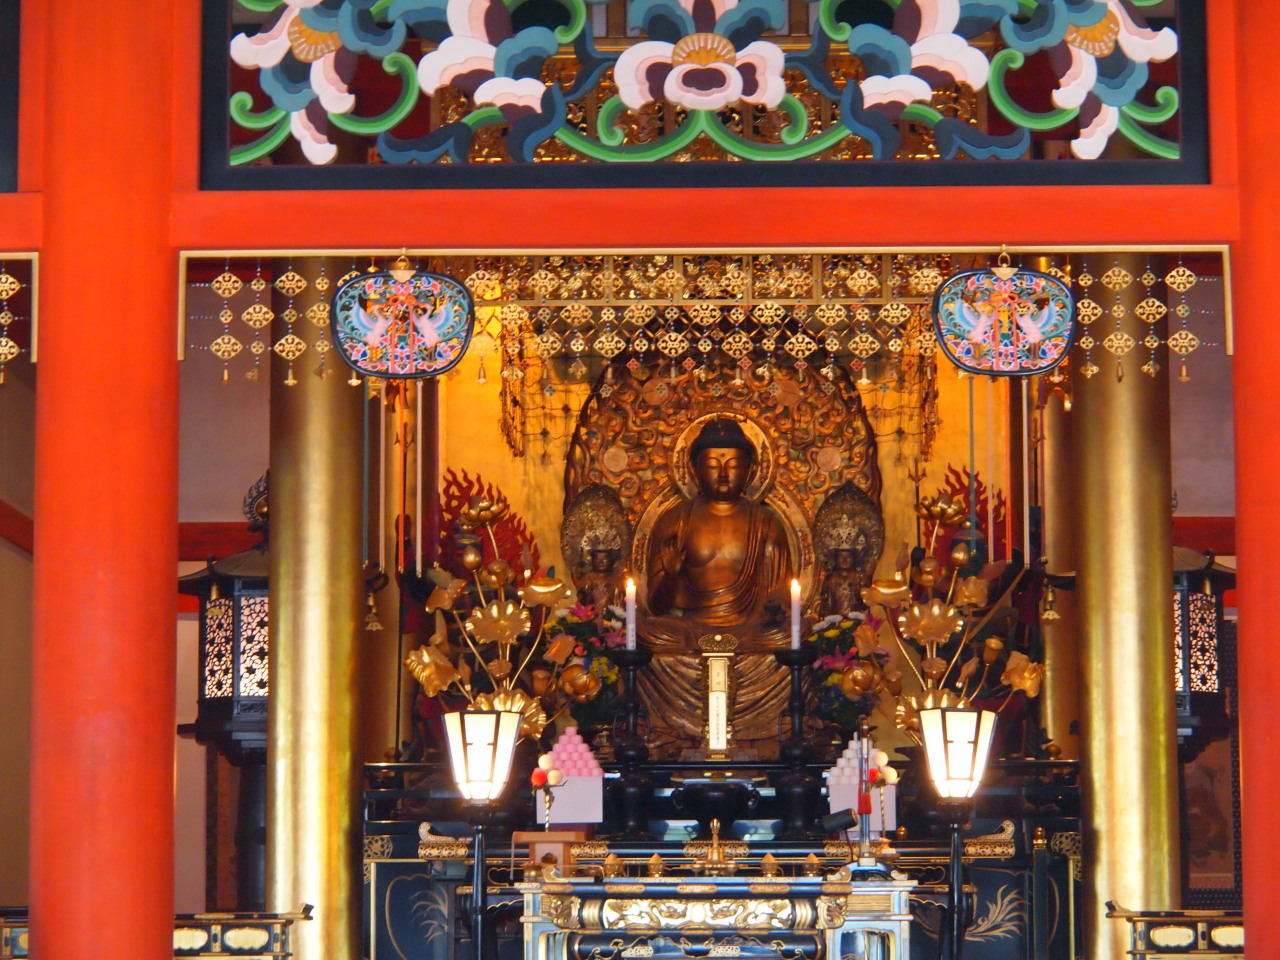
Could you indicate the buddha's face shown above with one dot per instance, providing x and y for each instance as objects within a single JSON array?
[
  {"x": 601, "y": 561},
  {"x": 845, "y": 559},
  {"x": 722, "y": 472}
]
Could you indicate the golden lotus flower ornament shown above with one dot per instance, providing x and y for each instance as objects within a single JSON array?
[
  {"x": 971, "y": 592},
  {"x": 444, "y": 597},
  {"x": 579, "y": 684},
  {"x": 906, "y": 716},
  {"x": 533, "y": 718},
  {"x": 440, "y": 638},
  {"x": 546, "y": 592},
  {"x": 432, "y": 669},
  {"x": 949, "y": 513},
  {"x": 482, "y": 511},
  {"x": 499, "y": 622},
  {"x": 1020, "y": 673},
  {"x": 892, "y": 679},
  {"x": 860, "y": 678},
  {"x": 558, "y": 649},
  {"x": 888, "y": 592},
  {"x": 933, "y": 668},
  {"x": 930, "y": 623},
  {"x": 928, "y": 571},
  {"x": 539, "y": 681},
  {"x": 496, "y": 574},
  {"x": 865, "y": 640}
]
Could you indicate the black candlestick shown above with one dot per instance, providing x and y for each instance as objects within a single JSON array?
[
  {"x": 631, "y": 661},
  {"x": 794, "y": 749},
  {"x": 634, "y": 788},
  {"x": 798, "y": 789}
]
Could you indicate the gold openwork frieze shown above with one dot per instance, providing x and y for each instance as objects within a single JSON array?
[
  {"x": 688, "y": 916},
  {"x": 993, "y": 844},
  {"x": 734, "y": 849},
  {"x": 443, "y": 849},
  {"x": 841, "y": 849}
]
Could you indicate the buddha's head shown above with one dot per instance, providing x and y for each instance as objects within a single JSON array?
[
  {"x": 601, "y": 559},
  {"x": 722, "y": 458}
]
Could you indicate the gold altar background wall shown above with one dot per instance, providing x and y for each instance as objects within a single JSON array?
[{"x": 470, "y": 439}]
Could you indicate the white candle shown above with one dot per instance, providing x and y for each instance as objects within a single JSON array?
[
  {"x": 631, "y": 614},
  {"x": 795, "y": 614}
]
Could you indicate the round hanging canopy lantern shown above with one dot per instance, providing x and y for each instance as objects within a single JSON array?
[
  {"x": 1004, "y": 321},
  {"x": 402, "y": 323}
]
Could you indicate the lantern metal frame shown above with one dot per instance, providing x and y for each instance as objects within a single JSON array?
[
  {"x": 482, "y": 744},
  {"x": 231, "y": 708},
  {"x": 957, "y": 744}
]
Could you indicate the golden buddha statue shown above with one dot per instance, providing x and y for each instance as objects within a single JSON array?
[
  {"x": 718, "y": 559},
  {"x": 717, "y": 563}
]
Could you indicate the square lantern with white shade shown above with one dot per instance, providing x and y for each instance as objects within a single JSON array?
[
  {"x": 957, "y": 742},
  {"x": 481, "y": 745}
]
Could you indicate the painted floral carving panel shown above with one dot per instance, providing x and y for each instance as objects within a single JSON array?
[{"x": 536, "y": 83}]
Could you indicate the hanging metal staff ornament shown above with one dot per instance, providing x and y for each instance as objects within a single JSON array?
[
  {"x": 402, "y": 323},
  {"x": 1004, "y": 320}
]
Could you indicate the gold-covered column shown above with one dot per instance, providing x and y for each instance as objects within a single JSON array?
[
  {"x": 313, "y": 824},
  {"x": 1059, "y": 630},
  {"x": 1124, "y": 591},
  {"x": 386, "y": 688}
]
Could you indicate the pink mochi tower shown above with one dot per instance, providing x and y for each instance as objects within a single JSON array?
[{"x": 580, "y": 799}]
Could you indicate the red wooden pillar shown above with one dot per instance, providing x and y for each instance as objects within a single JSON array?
[
  {"x": 106, "y": 492},
  {"x": 1257, "y": 424}
]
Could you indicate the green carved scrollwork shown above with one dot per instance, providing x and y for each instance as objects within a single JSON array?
[
  {"x": 1010, "y": 59},
  {"x": 395, "y": 64},
  {"x": 263, "y": 145}
]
